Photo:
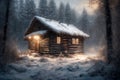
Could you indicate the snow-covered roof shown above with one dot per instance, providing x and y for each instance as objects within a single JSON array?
[
  {"x": 37, "y": 33},
  {"x": 61, "y": 27}
]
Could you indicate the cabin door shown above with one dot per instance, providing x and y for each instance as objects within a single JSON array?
[
  {"x": 37, "y": 46},
  {"x": 64, "y": 46}
]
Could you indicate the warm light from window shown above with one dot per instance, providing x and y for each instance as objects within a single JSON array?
[
  {"x": 36, "y": 37},
  {"x": 58, "y": 40},
  {"x": 29, "y": 37},
  {"x": 75, "y": 41}
]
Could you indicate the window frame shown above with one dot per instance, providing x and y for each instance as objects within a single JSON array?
[
  {"x": 58, "y": 40},
  {"x": 75, "y": 41}
]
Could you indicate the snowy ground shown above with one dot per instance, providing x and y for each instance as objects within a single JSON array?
[{"x": 78, "y": 67}]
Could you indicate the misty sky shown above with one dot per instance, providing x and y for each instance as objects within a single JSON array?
[{"x": 78, "y": 5}]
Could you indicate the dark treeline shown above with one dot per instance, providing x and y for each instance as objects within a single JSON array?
[{"x": 22, "y": 11}]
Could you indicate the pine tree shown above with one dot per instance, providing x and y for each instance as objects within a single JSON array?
[
  {"x": 13, "y": 19},
  {"x": 61, "y": 13},
  {"x": 43, "y": 8},
  {"x": 21, "y": 24},
  {"x": 27, "y": 13},
  {"x": 29, "y": 9},
  {"x": 68, "y": 14},
  {"x": 73, "y": 17},
  {"x": 79, "y": 23},
  {"x": 84, "y": 20},
  {"x": 21, "y": 9},
  {"x": 52, "y": 10}
]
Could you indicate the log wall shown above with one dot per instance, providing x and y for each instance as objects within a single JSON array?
[{"x": 65, "y": 47}]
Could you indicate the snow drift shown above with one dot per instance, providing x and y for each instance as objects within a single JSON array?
[{"x": 78, "y": 67}]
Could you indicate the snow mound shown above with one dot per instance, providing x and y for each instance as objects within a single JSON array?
[{"x": 79, "y": 67}]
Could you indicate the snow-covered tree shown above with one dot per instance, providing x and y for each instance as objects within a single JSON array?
[
  {"x": 29, "y": 9},
  {"x": 61, "y": 13},
  {"x": 73, "y": 17},
  {"x": 21, "y": 16},
  {"x": 84, "y": 22},
  {"x": 21, "y": 9},
  {"x": 13, "y": 19},
  {"x": 52, "y": 10},
  {"x": 26, "y": 13},
  {"x": 68, "y": 14},
  {"x": 43, "y": 9}
]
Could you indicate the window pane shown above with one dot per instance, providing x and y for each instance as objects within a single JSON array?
[
  {"x": 73, "y": 40},
  {"x": 77, "y": 41},
  {"x": 58, "y": 40}
]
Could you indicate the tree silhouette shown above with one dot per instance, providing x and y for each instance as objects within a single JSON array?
[
  {"x": 73, "y": 17},
  {"x": 68, "y": 14},
  {"x": 109, "y": 34},
  {"x": 42, "y": 11},
  {"x": 21, "y": 9},
  {"x": 2, "y": 54},
  {"x": 84, "y": 21},
  {"x": 61, "y": 13},
  {"x": 29, "y": 9},
  {"x": 52, "y": 10}
]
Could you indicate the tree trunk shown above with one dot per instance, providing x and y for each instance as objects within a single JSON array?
[
  {"x": 108, "y": 30},
  {"x": 2, "y": 60}
]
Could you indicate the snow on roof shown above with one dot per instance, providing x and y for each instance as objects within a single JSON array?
[
  {"x": 37, "y": 33},
  {"x": 61, "y": 27}
]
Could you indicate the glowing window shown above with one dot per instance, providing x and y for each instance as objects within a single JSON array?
[
  {"x": 75, "y": 41},
  {"x": 58, "y": 40},
  {"x": 29, "y": 37},
  {"x": 36, "y": 37}
]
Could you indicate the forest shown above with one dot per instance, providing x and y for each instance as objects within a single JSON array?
[{"x": 102, "y": 26}]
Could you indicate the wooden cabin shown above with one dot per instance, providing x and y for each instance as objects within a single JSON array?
[{"x": 51, "y": 37}]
